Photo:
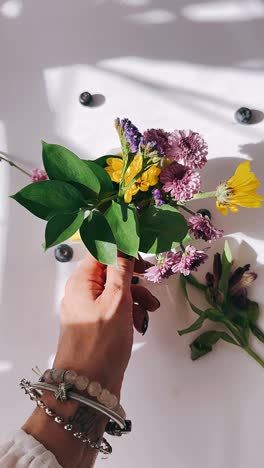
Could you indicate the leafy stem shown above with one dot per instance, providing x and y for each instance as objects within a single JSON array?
[
  {"x": 183, "y": 207},
  {"x": 254, "y": 355},
  {"x": 11, "y": 163},
  {"x": 105, "y": 200},
  {"x": 202, "y": 195}
]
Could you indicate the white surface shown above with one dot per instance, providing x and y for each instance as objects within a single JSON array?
[{"x": 168, "y": 63}]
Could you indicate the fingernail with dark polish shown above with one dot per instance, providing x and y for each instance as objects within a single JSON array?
[
  {"x": 145, "y": 325},
  {"x": 124, "y": 255},
  {"x": 156, "y": 300},
  {"x": 135, "y": 280}
]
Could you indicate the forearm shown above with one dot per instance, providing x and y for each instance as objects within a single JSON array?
[{"x": 69, "y": 451}]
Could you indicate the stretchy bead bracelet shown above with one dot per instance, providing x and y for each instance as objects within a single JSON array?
[
  {"x": 82, "y": 383},
  {"x": 102, "y": 446},
  {"x": 42, "y": 386}
]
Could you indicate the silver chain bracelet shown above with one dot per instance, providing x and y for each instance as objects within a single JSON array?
[{"x": 103, "y": 446}]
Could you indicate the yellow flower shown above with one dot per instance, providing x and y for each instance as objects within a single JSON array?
[
  {"x": 75, "y": 237},
  {"x": 148, "y": 178},
  {"x": 239, "y": 190}
]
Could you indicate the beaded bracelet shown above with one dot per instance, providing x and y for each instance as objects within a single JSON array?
[
  {"x": 103, "y": 447},
  {"x": 42, "y": 386},
  {"x": 82, "y": 383}
]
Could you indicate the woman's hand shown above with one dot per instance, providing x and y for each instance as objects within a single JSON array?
[{"x": 97, "y": 315}]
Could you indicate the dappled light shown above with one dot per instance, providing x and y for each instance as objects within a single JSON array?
[{"x": 11, "y": 8}]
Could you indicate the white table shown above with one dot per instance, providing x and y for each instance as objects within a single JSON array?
[{"x": 163, "y": 64}]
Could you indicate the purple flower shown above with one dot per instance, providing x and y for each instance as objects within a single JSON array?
[
  {"x": 202, "y": 228},
  {"x": 182, "y": 183},
  {"x": 160, "y": 138},
  {"x": 162, "y": 270},
  {"x": 188, "y": 148},
  {"x": 38, "y": 174},
  {"x": 189, "y": 260},
  {"x": 241, "y": 279},
  {"x": 130, "y": 132},
  {"x": 158, "y": 197}
]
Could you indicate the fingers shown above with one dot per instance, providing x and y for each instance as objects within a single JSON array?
[
  {"x": 144, "y": 297},
  {"x": 140, "y": 319},
  {"x": 89, "y": 278},
  {"x": 141, "y": 265},
  {"x": 118, "y": 278}
]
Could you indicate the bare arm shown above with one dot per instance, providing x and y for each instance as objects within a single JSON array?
[{"x": 97, "y": 315}]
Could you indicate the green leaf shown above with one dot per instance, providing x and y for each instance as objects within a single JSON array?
[
  {"x": 61, "y": 164},
  {"x": 42, "y": 198},
  {"x": 185, "y": 293},
  {"x": 252, "y": 311},
  {"x": 160, "y": 228},
  {"x": 103, "y": 177},
  {"x": 257, "y": 332},
  {"x": 186, "y": 240},
  {"x": 194, "y": 282},
  {"x": 238, "y": 317},
  {"x": 211, "y": 314},
  {"x": 97, "y": 236},
  {"x": 227, "y": 261},
  {"x": 61, "y": 227},
  {"x": 123, "y": 222},
  {"x": 195, "y": 326},
  {"x": 203, "y": 344}
]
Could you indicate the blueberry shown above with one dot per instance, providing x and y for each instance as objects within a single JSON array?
[
  {"x": 85, "y": 98},
  {"x": 243, "y": 115},
  {"x": 63, "y": 253},
  {"x": 205, "y": 212}
]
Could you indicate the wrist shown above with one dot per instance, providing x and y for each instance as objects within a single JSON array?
[
  {"x": 89, "y": 358},
  {"x": 68, "y": 450}
]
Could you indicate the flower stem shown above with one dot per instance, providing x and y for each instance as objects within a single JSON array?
[
  {"x": 106, "y": 200},
  {"x": 186, "y": 209},
  {"x": 202, "y": 195},
  {"x": 11, "y": 163},
  {"x": 254, "y": 355}
]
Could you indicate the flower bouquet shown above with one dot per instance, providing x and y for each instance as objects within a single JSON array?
[{"x": 137, "y": 201}]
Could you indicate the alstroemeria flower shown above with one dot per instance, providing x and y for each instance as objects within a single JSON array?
[
  {"x": 148, "y": 179},
  {"x": 239, "y": 190}
]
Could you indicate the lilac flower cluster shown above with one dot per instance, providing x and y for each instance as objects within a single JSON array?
[
  {"x": 158, "y": 197},
  {"x": 176, "y": 262},
  {"x": 131, "y": 133}
]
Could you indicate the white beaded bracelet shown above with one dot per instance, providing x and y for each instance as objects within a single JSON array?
[
  {"x": 82, "y": 383},
  {"x": 42, "y": 386}
]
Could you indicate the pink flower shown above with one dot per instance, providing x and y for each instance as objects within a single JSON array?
[
  {"x": 160, "y": 138},
  {"x": 202, "y": 228},
  {"x": 188, "y": 148},
  {"x": 182, "y": 183},
  {"x": 38, "y": 174},
  {"x": 189, "y": 260},
  {"x": 162, "y": 270}
]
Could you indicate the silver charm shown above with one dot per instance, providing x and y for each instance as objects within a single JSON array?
[
  {"x": 68, "y": 427},
  {"x": 50, "y": 412},
  {"x": 59, "y": 420},
  {"x": 61, "y": 393}
]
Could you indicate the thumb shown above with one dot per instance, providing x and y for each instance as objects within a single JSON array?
[{"x": 118, "y": 277}]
